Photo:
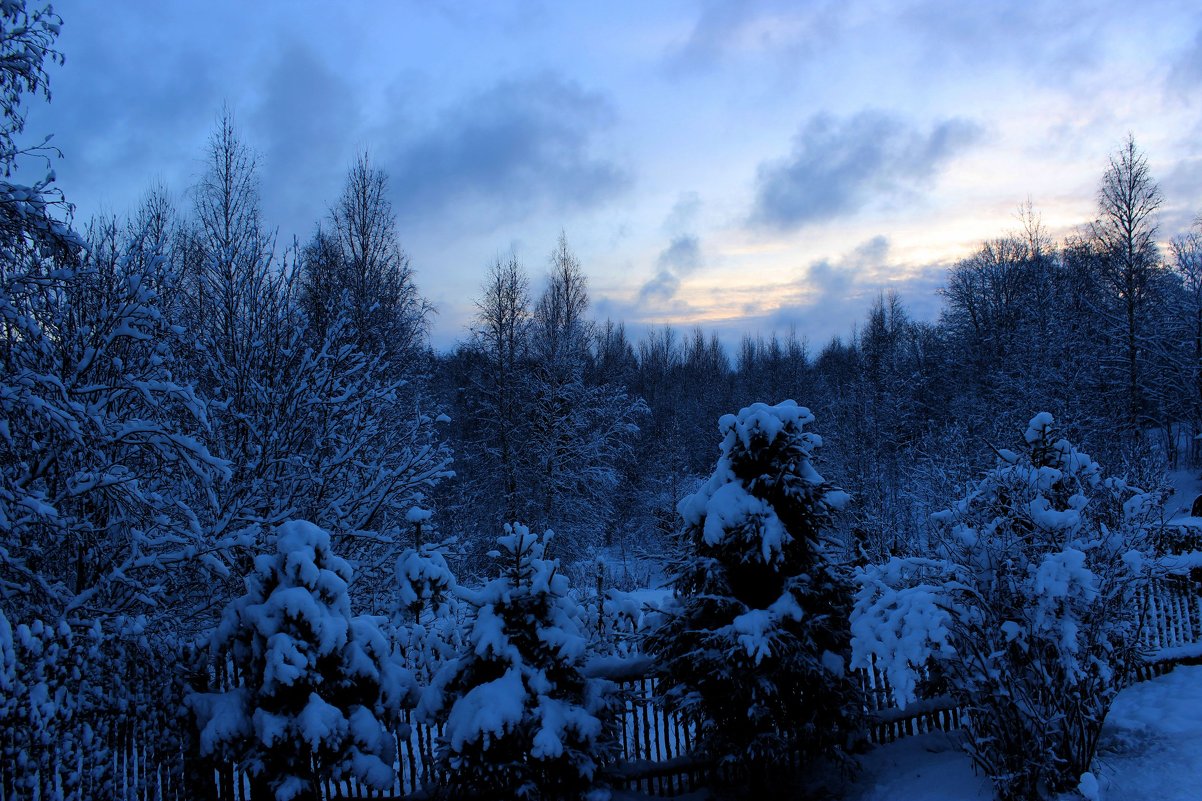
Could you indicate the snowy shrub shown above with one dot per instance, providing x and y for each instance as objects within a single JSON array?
[
  {"x": 314, "y": 686},
  {"x": 1027, "y": 613},
  {"x": 522, "y": 721},
  {"x": 73, "y": 698},
  {"x": 426, "y": 624},
  {"x": 754, "y": 654},
  {"x": 48, "y": 712},
  {"x": 617, "y": 622}
]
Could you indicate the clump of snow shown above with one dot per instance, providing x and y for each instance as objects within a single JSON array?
[
  {"x": 1088, "y": 787},
  {"x": 487, "y": 711},
  {"x": 418, "y": 515}
]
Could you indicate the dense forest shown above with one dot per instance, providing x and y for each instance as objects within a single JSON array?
[{"x": 179, "y": 390}]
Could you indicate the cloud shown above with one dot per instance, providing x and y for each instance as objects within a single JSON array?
[
  {"x": 682, "y": 255},
  {"x": 839, "y": 165},
  {"x": 1180, "y": 186},
  {"x": 729, "y": 27},
  {"x": 684, "y": 213},
  {"x": 1075, "y": 40},
  {"x": 833, "y": 295},
  {"x": 512, "y": 149},
  {"x": 659, "y": 289},
  {"x": 1186, "y": 73},
  {"x": 120, "y": 124},
  {"x": 304, "y": 125}
]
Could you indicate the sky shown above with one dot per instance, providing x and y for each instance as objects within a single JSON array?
[{"x": 748, "y": 166}]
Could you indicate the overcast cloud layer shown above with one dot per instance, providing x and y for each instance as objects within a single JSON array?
[{"x": 746, "y": 165}]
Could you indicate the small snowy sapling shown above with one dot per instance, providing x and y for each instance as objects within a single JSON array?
[{"x": 522, "y": 720}]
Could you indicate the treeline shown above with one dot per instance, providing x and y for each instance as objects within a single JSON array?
[
  {"x": 178, "y": 380},
  {"x": 1103, "y": 329}
]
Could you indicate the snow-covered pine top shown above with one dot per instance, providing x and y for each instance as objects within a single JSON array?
[
  {"x": 301, "y": 588},
  {"x": 423, "y": 577},
  {"x": 522, "y": 553},
  {"x": 763, "y": 448}
]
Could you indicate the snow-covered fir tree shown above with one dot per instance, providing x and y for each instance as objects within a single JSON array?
[
  {"x": 754, "y": 654},
  {"x": 426, "y": 626},
  {"x": 1028, "y": 615},
  {"x": 522, "y": 720},
  {"x": 314, "y": 686}
]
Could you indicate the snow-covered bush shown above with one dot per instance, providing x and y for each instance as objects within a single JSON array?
[
  {"x": 1027, "y": 613},
  {"x": 50, "y": 700},
  {"x": 425, "y": 623},
  {"x": 617, "y": 622},
  {"x": 754, "y": 654},
  {"x": 314, "y": 686},
  {"x": 522, "y": 721}
]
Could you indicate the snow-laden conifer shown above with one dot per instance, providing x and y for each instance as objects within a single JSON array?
[
  {"x": 313, "y": 685},
  {"x": 522, "y": 720},
  {"x": 754, "y": 653}
]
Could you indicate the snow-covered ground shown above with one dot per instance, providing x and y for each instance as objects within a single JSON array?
[
  {"x": 1151, "y": 750},
  {"x": 1186, "y": 487}
]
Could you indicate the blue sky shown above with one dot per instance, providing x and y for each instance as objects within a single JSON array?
[{"x": 748, "y": 166}]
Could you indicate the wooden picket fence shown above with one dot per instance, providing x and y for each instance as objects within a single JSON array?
[{"x": 655, "y": 747}]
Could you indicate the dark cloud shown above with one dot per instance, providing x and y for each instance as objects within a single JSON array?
[
  {"x": 659, "y": 289},
  {"x": 682, "y": 255},
  {"x": 513, "y": 149},
  {"x": 304, "y": 125},
  {"x": 868, "y": 254},
  {"x": 127, "y": 105},
  {"x": 1180, "y": 188},
  {"x": 684, "y": 213},
  {"x": 1055, "y": 35},
  {"x": 838, "y": 165}
]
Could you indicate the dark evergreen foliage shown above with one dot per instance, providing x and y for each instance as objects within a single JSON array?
[{"x": 755, "y": 653}]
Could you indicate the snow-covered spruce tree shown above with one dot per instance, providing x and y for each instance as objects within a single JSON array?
[
  {"x": 754, "y": 654},
  {"x": 1028, "y": 612},
  {"x": 522, "y": 720},
  {"x": 313, "y": 686},
  {"x": 425, "y": 620}
]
